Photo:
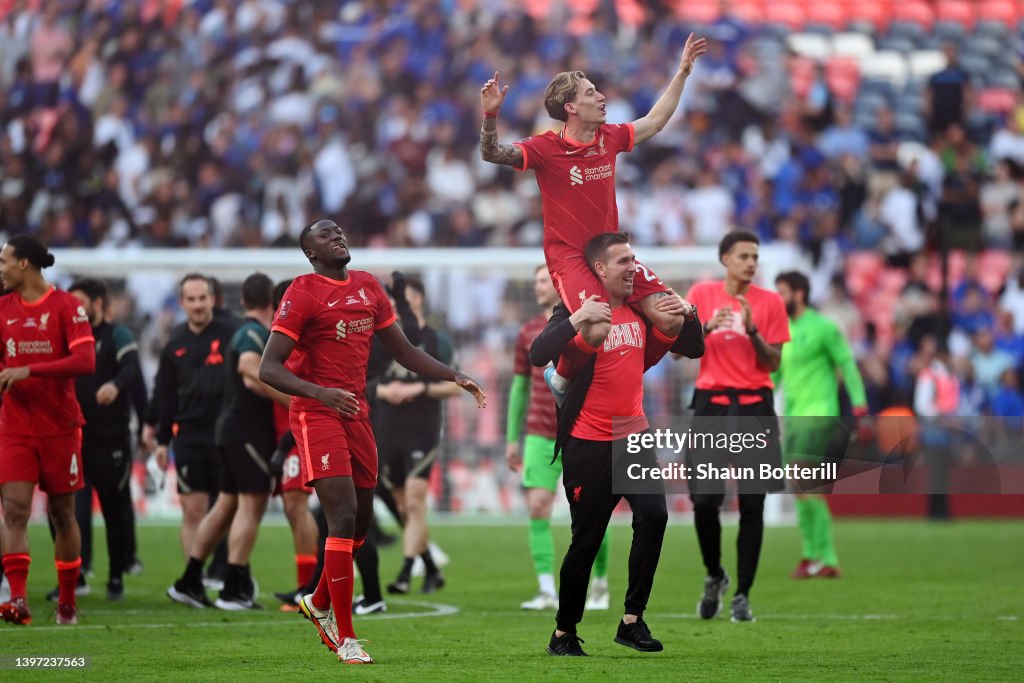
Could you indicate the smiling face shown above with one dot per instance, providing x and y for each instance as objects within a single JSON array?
[
  {"x": 617, "y": 270},
  {"x": 326, "y": 244},
  {"x": 197, "y": 301},
  {"x": 543, "y": 289}
]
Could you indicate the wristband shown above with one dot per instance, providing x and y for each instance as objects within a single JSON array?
[
  {"x": 490, "y": 114},
  {"x": 752, "y": 333}
]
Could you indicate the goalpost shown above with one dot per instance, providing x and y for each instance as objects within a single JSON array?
[{"x": 479, "y": 296}]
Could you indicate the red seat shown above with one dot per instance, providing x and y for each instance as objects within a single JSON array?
[
  {"x": 994, "y": 266},
  {"x": 751, "y": 11},
  {"x": 863, "y": 269},
  {"x": 843, "y": 77},
  {"x": 828, "y": 12},
  {"x": 801, "y": 75},
  {"x": 702, "y": 12},
  {"x": 877, "y": 12},
  {"x": 789, "y": 13},
  {"x": 914, "y": 11},
  {"x": 1005, "y": 11},
  {"x": 958, "y": 11},
  {"x": 997, "y": 100}
]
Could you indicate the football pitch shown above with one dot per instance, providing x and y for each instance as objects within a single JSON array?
[{"x": 919, "y": 601}]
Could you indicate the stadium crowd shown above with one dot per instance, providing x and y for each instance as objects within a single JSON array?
[{"x": 221, "y": 123}]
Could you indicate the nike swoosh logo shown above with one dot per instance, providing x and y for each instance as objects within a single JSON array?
[
  {"x": 623, "y": 353},
  {"x": 574, "y": 151},
  {"x": 12, "y": 321},
  {"x": 331, "y": 305},
  {"x": 341, "y": 579}
]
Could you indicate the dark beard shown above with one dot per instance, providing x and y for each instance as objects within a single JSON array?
[
  {"x": 341, "y": 261},
  {"x": 791, "y": 308}
]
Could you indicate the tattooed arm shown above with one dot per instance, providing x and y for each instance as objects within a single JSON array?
[{"x": 492, "y": 95}]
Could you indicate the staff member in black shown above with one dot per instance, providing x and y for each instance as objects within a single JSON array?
[
  {"x": 608, "y": 386},
  {"x": 188, "y": 394},
  {"x": 106, "y": 399}
]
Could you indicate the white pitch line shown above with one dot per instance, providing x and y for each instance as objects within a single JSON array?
[
  {"x": 436, "y": 610},
  {"x": 795, "y": 617}
]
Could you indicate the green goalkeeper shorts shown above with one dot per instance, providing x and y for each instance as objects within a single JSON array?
[
  {"x": 538, "y": 470},
  {"x": 813, "y": 440}
]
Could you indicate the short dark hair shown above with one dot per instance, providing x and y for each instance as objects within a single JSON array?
[
  {"x": 413, "y": 282},
  {"x": 306, "y": 231},
  {"x": 279, "y": 289},
  {"x": 257, "y": 291},
  {"x": 796, "y": 281},
  {"x": 91, "y": 287},
  {"x": 732, "y": 238},
  {"x": 31, "y": 248},
  {"x": 194, "y": 276},
  {"x": 599, "y": 244},
  {"x": 216, "y": 289}
]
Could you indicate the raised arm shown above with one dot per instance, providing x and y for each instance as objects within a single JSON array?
[
  {"x": 492, "y": 95},
  {"x": 656, "y": 119}
]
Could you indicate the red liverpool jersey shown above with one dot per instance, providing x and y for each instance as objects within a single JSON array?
[
  {"x": 332, "y": 323},
  {"x": 614, "y": 406},
  {"x": 730, "y": 361},
  {"x": 38, "y": 332},
  {"x": 577, "y": 186},
  {"x": 540, "y": 415}
]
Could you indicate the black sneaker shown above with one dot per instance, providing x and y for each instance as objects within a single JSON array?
[
  {"x": 134, "y": 567},
  {"x": 399, "y": 587},
  {"x": 115, "y": 590},
  {"x": 433, "y": 582},
  {"x": 81, "y": 589},
  {"x": 714, "y": 590},
  {"x": 566, "y": 645},
  {"x": 193, "y": 596},
  {"x": 291, "y": 599},
  {"x": 362, "y": 606},
  {"x": 638, "y": 637},
  {"x": 741, "y": 609}
]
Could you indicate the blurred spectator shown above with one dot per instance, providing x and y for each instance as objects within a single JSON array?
[
  {"x": 989, "y": 362},
  {"x": 948, "y": 93},
  {"x": 999, "y": 196},
  {"x": 1007, "y": 401}
]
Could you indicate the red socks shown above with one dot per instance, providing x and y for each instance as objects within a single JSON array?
[
  {"x": 336, "y": 582},
  {"x": 67, "y": 579},
  {"x": 16, "y": 571},
  {"x": 305, "y": 565}
]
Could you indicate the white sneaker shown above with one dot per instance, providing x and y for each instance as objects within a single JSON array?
[
  {"x": 324, "y": 621},
  {"x": 351, "y": 652},
  {"x": 441, "y": 560},
  {"x": 542, "y": 601},
  {"x": 599, "y": 597}
]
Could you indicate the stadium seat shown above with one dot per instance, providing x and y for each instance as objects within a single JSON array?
[
  {"x": 702, "y": 12},
  {"x": 874, "y": 12},
  {"x": 785, "y": 13},
  {"x": 1003, "y": 78},
  {"x": 831, "y": 13},
  {"x": 1004, "y": 12},
  {"x": 810, "y": 45},
  {"x": 885, "y": 66},
  {"x": 902, "y": 44},
  {"x": 924, "y": 63},
  {"x": 843, "y": 77},
  {"x": 949, "y": 31},
  {"x": 751, "y": 11},
  {"x": 863, "y": 269},
  {"x": 913, "y": 12},
  {"x": 854, "y": 45},
  {"x": 957, "y": 12},
  {"x": 990, "y": 46},
  {"x": 801, "y": 75},
  {"x": 994, "y": 266},
  {"x": 975, "y": 64}
]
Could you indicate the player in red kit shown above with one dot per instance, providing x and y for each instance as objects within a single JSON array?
[
  {"x": 48, "y": 342},
  {"x": 575, "y": 170},
  {"x": 330, "y": 317}
]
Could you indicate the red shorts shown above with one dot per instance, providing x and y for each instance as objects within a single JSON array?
[
  {"x": 291, "y": 476},
  {"x": 331, "y": 446},
  {"x": 53, "y": 462},
  {"x": 575, "y": 282}
]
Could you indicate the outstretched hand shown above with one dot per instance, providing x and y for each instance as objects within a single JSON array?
[
  {"x": 492, "y": 95},
  {"x": 693, "y": 49},
  {"x": 470, "y": 385}
]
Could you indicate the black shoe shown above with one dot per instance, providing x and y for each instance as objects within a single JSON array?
[
  {"x": 741, "y": 609},
  {"x": 714, "y": 590},
  {"x": 81, "y": 589},
  {"x": 638, "y": 637},
  {"x": 115, "y": 590},
  {"x": 193, "y": 596},
  {"x": 433, "y": 582},
  {"x": 290, "y": 599},
  {"x": 566, "y": 645},
  {"x": 399, "y": 587},
  {"x": 134, "y": 567}
]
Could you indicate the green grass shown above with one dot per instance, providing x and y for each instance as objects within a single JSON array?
[{"x": 919, "y": 601}]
